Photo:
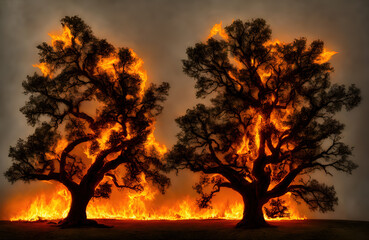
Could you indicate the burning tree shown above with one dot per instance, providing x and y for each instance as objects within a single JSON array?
[
  {"x": 271, "y": 121},
  {"x": 93, "y": 113}
]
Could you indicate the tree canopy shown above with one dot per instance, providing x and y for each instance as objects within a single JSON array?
[{"x": 270, "y": 123}]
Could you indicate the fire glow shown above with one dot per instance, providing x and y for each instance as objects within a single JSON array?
[
  {"x": 138, "y": 205},
  {"x": 251, "y": 148},
  {"x": 132, "y": 205}
]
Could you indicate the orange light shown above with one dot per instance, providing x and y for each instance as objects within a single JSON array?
[
  {"x": 108, "y": 65},
  {"x": 151, "y": 142},
  {"x": 325, "y": 56},
  {"x": 217, "y": 29},
  {"x": 66, "y": 38},
  {"x": 134, "y": 205},
  {"x": 137, "y": 69},
  {"x": 45, "y": 69}
]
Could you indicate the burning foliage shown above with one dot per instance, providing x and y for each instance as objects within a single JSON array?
[
  {"x": 94, "y": 117},
  {"x": 270, "y": 123}
]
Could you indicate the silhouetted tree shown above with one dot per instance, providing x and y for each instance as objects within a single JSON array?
[
  {"x": 91, "y": 101},
  {"x": 270, "y": 123},
  {"x": 277, "y": 209}
]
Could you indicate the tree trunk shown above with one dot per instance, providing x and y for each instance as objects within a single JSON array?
[
  {"x": 77, "y": 213},
  {"x": 253, "y": 216}
]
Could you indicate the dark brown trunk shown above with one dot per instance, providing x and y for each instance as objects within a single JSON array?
[
  {"x": 253, "y": 216},
  {"x": 77, "y": 213},
  {"x": 81, "y": 196}
]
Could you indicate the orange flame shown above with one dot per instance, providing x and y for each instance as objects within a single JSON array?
[
  {"x": 325, "y": 56},
  {"x": 151, "y": 142},
  {"x": 102, "y": 141},
  {"x": 217, "y": 29},
  {"x": 249, "y": 147},
  {"x": 66, "y": 38},
  {"x": 137, "y": 69},
  {"x": 45, "y": 69},
  {"x": 109, "y": 65},
  {"x": 133, "y": 205}
]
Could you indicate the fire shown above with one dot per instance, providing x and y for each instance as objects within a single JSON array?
[
  {"x": 105, "y": 135},
  {"x": 137, "y": 69},
  {"x": 244, "y": 148},
  {"x": 44, "y": 207},
  {"x": 102, "y": 141},
  {"x": 45, "y": 69},
  {"x": 325, "y": 56},
  {"x": 217, "y": 29},
  {"x": 250, "y": 145},
  {"x": 276, "y": 120},
  {"x": 132, "y": 205},
  {"x": 108, "y": 65},
  {"x": 151, "y": 142},
  {"x": 66, "y": 38}
]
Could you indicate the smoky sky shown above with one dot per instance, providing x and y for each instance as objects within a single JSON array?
[{"x": 160, "y": 32}]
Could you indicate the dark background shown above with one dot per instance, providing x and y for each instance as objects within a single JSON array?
[{"x": 160, "y": 32}]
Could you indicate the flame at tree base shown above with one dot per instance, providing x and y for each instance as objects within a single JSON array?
[{"x": 133, "y": 205}]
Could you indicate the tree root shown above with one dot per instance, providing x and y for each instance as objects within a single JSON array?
[
  {"x": 87, "y": 223},
  {"x": 252, "y": 225}
]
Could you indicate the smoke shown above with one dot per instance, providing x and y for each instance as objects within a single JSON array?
[{"x": 160, "y": 32}]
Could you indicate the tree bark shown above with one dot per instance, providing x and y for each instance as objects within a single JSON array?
[
  {"x": 253, "y": 216},
  {"x": 77, "y": 216},
  {"x": 82, "y": 193}
]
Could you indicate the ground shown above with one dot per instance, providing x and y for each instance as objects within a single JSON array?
[{"x": 189, "y": 229}]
